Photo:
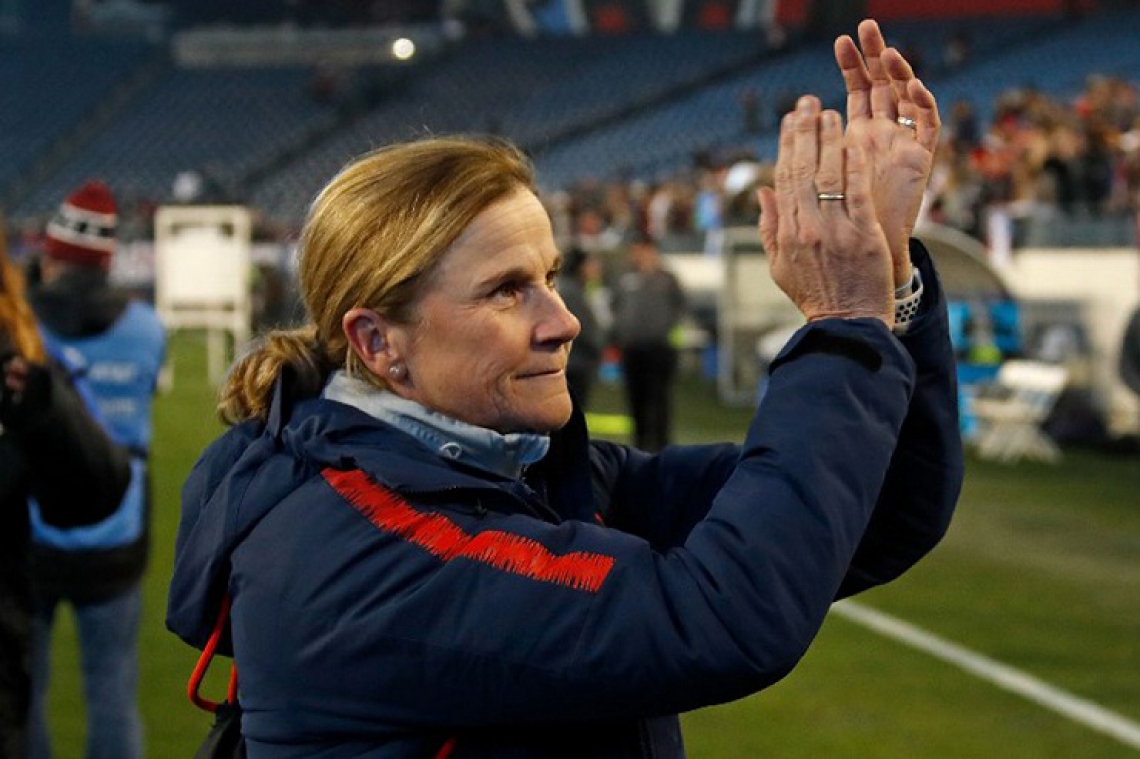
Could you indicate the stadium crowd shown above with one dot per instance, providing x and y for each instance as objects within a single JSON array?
[
  {"x": 1043, "y": 171},
  {"x": 1040, "y": 160}
]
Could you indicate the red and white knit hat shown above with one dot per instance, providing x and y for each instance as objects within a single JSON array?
[{"x": 83, "y": 230}]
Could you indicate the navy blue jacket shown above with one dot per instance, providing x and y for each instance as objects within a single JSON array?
[{"x": 386, "y": 601}]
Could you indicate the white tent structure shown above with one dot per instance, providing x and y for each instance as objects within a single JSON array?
[
  {"x": 202, "y": 276},
  {"x": 754, "y": 317}
]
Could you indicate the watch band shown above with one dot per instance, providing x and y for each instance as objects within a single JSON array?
[{"x": 907, "y": 300}]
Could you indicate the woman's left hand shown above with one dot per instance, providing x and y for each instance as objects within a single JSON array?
[
  {"x": 894, "y": 119},
  {"x": 825, "y": 248}
]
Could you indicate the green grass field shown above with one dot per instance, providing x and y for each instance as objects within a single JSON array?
[{"x": 1041, "y": 570}]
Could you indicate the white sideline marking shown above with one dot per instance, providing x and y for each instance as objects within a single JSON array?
[{"x": 1003, "y": 676}]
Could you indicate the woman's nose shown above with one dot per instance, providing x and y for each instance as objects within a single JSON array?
[{"x": 558, "y": 324}]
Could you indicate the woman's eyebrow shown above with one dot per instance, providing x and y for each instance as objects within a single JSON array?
[{"x": 506, "y": 275}]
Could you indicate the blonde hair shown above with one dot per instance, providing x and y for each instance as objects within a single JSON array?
[
  {"x": 373, "y": 237},
  {"x": 16, "y": 318}
]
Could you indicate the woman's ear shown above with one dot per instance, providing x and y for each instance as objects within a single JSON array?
[{"x": 367, "y": 335}]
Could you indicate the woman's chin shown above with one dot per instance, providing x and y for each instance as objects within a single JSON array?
[{"x": 550, "y": 414}]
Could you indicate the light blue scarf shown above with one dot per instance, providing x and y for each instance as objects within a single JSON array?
[{"x": 506, "y": 455}]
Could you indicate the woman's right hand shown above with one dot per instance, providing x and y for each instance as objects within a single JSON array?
[
  {"x": 825, "y": 247},
  {"x": 15, "y": 371}
]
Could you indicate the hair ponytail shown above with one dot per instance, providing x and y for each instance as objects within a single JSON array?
[{"x": 247, "y": 392}]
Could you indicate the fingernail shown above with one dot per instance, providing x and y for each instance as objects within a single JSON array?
[{"x": 803, "y": 103}]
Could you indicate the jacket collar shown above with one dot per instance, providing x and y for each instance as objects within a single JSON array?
[
  {"x": 329, "y": 433},
  {"x": 505, "y": 455}
]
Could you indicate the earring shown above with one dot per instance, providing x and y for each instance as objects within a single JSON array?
[{"x": 396, "y": 371}]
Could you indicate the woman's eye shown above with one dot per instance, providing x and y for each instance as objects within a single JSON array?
[{"x": 506, "y": 290}]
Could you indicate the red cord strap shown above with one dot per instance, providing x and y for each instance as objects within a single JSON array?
[
  {"x": 446, "y": 749},
  {"x": 203, "y": 664}
]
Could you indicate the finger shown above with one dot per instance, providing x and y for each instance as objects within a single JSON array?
[
  {"x": 829, "y": 176},
  {"x": 860, "y": 207},
  {"x": 929, "y": 123},
  {"x": 855, "y": 77},
  {"x": 785, "y": 184},
  {"x": 809, "y": 222},
  {"x": 769, "y": 222},
  {"x": 805, "y": 160},
  {"x": 900, "y": 73},
  {"x": 872, "y": 43}
]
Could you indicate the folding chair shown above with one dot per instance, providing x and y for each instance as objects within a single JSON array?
[{"x": 1011, "y": 410}]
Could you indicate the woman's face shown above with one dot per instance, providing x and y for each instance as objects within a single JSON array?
[{"x": 491, "y": 334}]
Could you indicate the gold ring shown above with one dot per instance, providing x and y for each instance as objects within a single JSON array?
[
  {"x": 830, "y": 196},
  {"x": 908, "y": 123}
]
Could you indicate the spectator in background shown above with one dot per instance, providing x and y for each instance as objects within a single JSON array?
[
  {"x": 958, "y": 51},
  {"x": 593, "y": 231},
  {"x": 120, "y": 346},
  {"x": 648, "y": 304},
  {"x": 580, "y": 272},
  {"x": 560, "y": 207},
  {"x": 708, "y": 202},
  {"x": 1097, "y": 165},
  {"x": 963, "y": 132},
  {"x": 51, "y": 450},
  {"x": 914, "y": 55},
  {"x": 669, "y": 212},
  {"x": 750, "y": 111},
  {"x": 1130, "y": 174},
  {"x": 996, "y": 163},
  {"x": 1061, "y": 169},
  {"x": 1130, "y": 353}
]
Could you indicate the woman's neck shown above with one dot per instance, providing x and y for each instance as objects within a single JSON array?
[{"x": 503, "y": 454}]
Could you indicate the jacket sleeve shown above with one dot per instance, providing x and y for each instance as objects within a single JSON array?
[
  {"x": 77, "y": 474},
  {"x": 462, "y": 617},
  {"x": 918, "y": 496},
  {"x": 925, "y": 477},
  {"x": 659, "y": 497}
]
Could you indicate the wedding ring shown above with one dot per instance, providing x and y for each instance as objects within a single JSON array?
[
  {"x": 908, "y": 123},
  {"x": 830, "y": 196}
]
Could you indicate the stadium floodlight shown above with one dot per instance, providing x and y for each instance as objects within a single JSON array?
[{"x": 403, "y": 49}]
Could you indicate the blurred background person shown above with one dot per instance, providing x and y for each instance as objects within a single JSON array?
[
  {"x": 581, "y": 272},
  {"x": 53, "y": 451},
  {"x": 648, "y": 303},
  {"x": 120, "y": 346},
  {"x": 1130, "y": 353}
]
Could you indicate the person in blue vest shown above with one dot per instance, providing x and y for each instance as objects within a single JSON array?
[
  {"x": 118, "y": 346},
  {"x": 421, "y": 551}
]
